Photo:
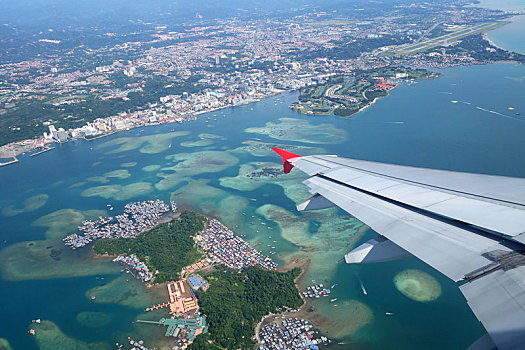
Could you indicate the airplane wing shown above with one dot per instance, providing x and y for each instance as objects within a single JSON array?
[{"x": 470, "y": 227}]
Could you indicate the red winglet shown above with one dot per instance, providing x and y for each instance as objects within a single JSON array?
[{"x": 286, "y": 157}]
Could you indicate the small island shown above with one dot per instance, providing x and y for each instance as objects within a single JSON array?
[
  {"x": 219, "y": 288},
  {"x": 347, "y": 94}
]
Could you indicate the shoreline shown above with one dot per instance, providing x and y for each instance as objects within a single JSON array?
[
  {"x": 492, "y": 43},
  {"x": 486, "y": 37},
  {"x": 196, "y": 114},
  {"x": 304, "y": 268}
]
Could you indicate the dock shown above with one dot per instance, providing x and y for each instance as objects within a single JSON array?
[
  {"x": 15, "y": 160},
  {"x": 42, "y": 151},
  {"x": 156, "y": 307},
  {"x": 186, "y": 328}
]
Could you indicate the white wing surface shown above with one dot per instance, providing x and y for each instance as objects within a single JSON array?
[{"x": 470, "y": 227}]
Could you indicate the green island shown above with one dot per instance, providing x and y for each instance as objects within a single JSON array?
[
  {"x": 344, "y": 95},
  {"x": 236, "y": 301},
  {"x": 165, "y": 249}
]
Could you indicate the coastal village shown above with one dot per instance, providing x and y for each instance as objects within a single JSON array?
[
  {"x": 138, "y": 217},
  {"x": 184, "y": 321}
]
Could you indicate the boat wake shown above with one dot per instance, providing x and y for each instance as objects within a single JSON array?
[
  {"x": 500, "y": 114},
  {"x": 493, "y": 112}
]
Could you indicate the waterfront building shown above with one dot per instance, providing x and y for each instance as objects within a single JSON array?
[{"x": 181, "y": 298}]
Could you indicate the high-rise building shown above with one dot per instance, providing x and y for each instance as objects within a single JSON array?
[
  {"x": 61, "y": 135},
  {"x": 53, "y": 132}
]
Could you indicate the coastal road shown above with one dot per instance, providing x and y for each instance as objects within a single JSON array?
[{"x": 330, "y": 92}]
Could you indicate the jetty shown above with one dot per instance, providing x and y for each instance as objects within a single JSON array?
[{"x": 15, "y": 160}]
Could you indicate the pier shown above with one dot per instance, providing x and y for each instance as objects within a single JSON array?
[
  {"x": 42, "y": 151},
  {"x": 156, "y": 307},
  {"x": 15, "y": 160}
]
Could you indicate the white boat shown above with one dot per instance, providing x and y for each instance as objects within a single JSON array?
[{"x": 363, "y": 287}]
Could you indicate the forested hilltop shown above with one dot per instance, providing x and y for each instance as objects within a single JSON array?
[
  {"x": 166, "y": 248},
  {"x": 236, "y": 301}
]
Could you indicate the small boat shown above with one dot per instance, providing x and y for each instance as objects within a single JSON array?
[
  {"x": 93, "y": 297},
  {"x": 363, "y": 287},
  {"x": 332, "y": 300},
  {"x": 389, "y": 313},
  {"x": 32, "y": 332}
]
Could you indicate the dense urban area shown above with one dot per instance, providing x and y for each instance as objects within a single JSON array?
[{"x": 56, "y": 86}]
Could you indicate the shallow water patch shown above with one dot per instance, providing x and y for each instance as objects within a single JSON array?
[{"x": 417, "y": 285}]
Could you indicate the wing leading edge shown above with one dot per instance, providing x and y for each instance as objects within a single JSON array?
[{"x": 470, "y": 227}]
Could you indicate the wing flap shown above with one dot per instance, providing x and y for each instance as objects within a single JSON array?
[
  {"x": 452, "y": 250},
  {"x": 498, "y": 301}
]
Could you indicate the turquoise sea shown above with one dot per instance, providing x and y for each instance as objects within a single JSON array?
[{"x": 460, "y": 121}]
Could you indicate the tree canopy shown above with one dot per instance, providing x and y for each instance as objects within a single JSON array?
[
  {"x": 166, "y": 248},
  {"x": 236, "y": 301}
]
